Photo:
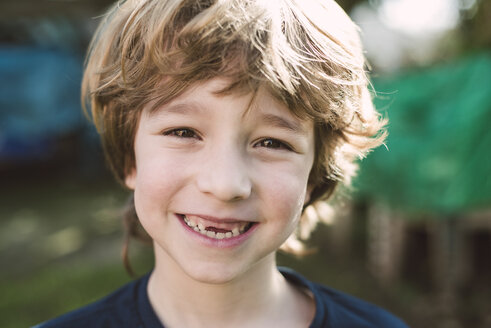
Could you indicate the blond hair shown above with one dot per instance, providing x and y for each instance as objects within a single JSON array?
[{"x": 307, "y": 53}]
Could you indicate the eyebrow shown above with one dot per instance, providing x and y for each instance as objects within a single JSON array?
[
  {"x": 268, "y": 118},
  {"x": 283, "y": 123},
  {"x": 180, "y": 108}
]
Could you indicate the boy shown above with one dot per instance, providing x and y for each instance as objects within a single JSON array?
[{"x": 226, "y": 118}]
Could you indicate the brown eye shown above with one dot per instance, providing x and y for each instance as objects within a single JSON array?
[
  {"x": 182, "y": 133},
  {"x": 273, "y": 144}
]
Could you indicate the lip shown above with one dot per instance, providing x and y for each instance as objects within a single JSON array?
[
  {"x": 215, "y": 219},
  {"x": 219, "y": 243}
]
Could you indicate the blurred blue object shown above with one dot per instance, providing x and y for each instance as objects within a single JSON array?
[{"x": 39, "y": 100}]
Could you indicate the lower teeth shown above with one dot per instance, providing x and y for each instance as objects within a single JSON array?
[{"x": 217, "y": 235}]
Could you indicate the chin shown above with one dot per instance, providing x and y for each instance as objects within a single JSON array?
[{"x": 212, "y": 273}]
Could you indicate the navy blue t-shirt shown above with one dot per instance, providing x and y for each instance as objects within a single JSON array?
[{"x": 130, "y": 307}]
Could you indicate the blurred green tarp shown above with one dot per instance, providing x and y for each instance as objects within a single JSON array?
[{"x": 438, "y": 155}]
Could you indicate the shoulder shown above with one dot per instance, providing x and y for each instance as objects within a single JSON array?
[
  {"x": 118, "y": 309},
  {"x": 340, "y": 310},
  {"x": 343, "y": 308}
]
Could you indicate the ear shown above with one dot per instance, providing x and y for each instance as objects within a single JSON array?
[
  {"x": 130, "y": 179},
  {"x": 310, "y": 187}
]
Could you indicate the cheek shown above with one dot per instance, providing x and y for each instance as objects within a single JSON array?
[
  {"x": 152, "y": 180},
  {"x": 156, "y": 182},
  {"x": 157, "y": 171},
  {"x": 285, "y": 194}
]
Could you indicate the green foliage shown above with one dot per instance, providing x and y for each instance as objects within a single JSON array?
[
  {"x": 52, "y": 291},
  {"x": 437, "y": 157}
]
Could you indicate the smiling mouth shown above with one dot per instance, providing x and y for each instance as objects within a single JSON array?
[{"x": 222, "y": 230}]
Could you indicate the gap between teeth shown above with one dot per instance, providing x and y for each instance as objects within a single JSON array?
[{"x": 199, "y": 227}]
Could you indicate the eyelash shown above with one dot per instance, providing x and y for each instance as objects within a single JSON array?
[
  {"x": 181, "y": 133},
  {"x": 186, "y": 133},
  {"x": 277, "y": 144}
]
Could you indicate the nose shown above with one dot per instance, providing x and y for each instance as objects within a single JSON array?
[{"x": 224, "y": 173}]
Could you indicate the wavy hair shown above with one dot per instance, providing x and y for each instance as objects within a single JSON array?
[{"x": 307, "y": 53}]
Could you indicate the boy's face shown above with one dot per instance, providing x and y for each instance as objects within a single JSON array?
[{"x": 220, "y": 186}]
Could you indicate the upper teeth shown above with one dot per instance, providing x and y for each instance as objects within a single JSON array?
[{"x": 199, "y": 227}]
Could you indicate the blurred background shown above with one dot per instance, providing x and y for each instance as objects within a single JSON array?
[{"x": 414, "y": 236}]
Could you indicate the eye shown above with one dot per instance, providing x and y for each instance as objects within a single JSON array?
[
  {"x": 273, "y": 144},
  {"x": 181, "y": 133}
]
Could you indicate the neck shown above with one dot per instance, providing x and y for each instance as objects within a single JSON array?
[{"x": 253, "y": 299}]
